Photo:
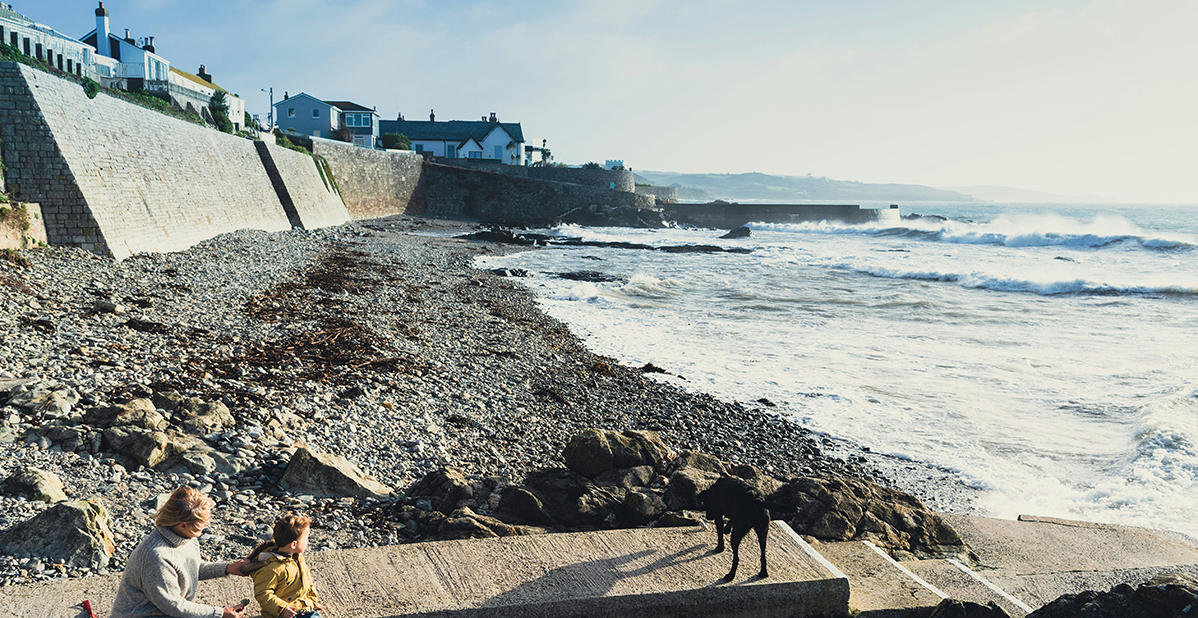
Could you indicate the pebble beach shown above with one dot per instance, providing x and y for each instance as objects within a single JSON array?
[{"x": 376, "y": 341}]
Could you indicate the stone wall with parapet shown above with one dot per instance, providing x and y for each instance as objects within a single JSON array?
[
  {"x": 116, "y": 178},
  {"x": 317, "y": 202},
  {"x": 113, "y": 177},
  {"x": 663, "y": 195},
  {"x": 501, "y": 198},
  {"x": 374, "y": 183},
  {"x": 619, "y": 180}
]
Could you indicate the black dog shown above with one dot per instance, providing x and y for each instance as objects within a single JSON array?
[{"x": 746, "y": 510}]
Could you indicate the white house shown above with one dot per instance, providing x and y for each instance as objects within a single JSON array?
[
  {"x": 39, "y": 41},
  {"x": 462, "y": 139}
]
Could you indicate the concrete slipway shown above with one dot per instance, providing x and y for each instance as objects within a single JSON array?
[{"x": 672, "y": 572}]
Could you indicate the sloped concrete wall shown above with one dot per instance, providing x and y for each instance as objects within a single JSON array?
[
  {"x": 116, "y": 178},
  {"x": 316, "y": 200},
  {"x": 374, "y": 183}
]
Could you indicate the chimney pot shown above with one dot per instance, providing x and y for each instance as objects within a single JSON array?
[{"x": 431, "y": 116}]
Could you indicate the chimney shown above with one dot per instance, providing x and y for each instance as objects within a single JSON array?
[
  {"x": 129, "y": 39},
  {"x": 149, "y": 46},
  {"x": 493, "y": 117},
  {"x": 285, "y": 97},
  {"x": 431, "y": 116},
  {"x": 203, "y": 74},
  {"x": 102, "y": 46}
]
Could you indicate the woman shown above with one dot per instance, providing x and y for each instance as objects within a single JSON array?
[{"x": 162, "y": 572}]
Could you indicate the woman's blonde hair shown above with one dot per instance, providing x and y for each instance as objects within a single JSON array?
[{"x": 185, "y": 506}]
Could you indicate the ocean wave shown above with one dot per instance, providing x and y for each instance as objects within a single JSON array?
[
  {"x": 1043, "y": 288},
  {"x": 1031, "y": 231}
]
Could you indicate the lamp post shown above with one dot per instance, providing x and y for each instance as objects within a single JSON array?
[{"x": 270, "y": 116}]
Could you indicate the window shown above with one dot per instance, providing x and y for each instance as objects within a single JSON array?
[
  {"x": 291, "y": 112},
  {"x": 418, "y": 147},
  {"x": 451, "y": 152},
  {"x": 316, "y": 133},
  {"x": 360, "y": 140},
  {"x": 316, "y": 112},
  {"x": 499, "y": 152},
  {"x": 475, "y": 154}
]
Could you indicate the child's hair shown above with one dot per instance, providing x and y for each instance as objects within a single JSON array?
[
  {"x": 186, "y": 505},
  {"x": 287, "y": 529}
]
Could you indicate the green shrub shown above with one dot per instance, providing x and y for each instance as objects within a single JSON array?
[
  {"x": 218, "y": 105},
  {"x": 591, "y": 166},
  {"x": 281, "y": 140},
  {"x": 91, "y": 87},
  {"x": 396, "y": 141}
]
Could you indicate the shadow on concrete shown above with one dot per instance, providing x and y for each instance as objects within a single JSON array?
[{"x": 595, "y": 577}]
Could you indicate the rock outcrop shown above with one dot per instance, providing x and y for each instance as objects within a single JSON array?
[
  {"x": 327, "y": 475},
  {"x": 75, "y": 532},
  {"x": 35, "y": 484},
  {"x": 1166, "y": 596},
  {"x": 595, "y": 451}
]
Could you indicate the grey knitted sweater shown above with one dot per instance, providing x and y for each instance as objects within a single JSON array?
[{"x": 160, "y": 579}]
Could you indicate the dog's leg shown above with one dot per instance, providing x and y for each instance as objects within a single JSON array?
[
  {"x": 719, "y": 533},
  {"x": 740, "y": 528},
  {"x": 763, "y": 529}
]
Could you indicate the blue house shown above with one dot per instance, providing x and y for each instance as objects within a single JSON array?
[{"x": 304, "y": 114}]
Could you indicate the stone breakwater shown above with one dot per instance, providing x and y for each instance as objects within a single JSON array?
[{"x": 362, "y": 341}]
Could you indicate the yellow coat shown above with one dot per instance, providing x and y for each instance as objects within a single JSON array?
[{"x": 284, "y": 581}]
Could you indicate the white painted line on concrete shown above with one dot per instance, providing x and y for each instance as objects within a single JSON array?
[
  {"x": 810, "y": 550},
  {"x": 970, "y": 572},
  {"x": 919, "y": 580}
]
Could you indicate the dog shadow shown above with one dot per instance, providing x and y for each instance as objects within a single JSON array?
[{"x": 597, "y": 577}]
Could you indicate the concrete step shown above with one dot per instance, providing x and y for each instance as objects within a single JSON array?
[
  {"x": 619, "y": 573},
  {"x": 958, "y": 581},
  {"x": 878, "y": 586}
]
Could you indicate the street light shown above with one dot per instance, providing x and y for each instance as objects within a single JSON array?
[{"x": 270, "y": 116}]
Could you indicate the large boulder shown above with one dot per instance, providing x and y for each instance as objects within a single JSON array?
[
  {"x": 953, "y": 608},
  {"x": 50, "y": 398},
  {"x": 685, "y": 485},
  {"x": 595, "y": 451},
  {"x": 35, "y": 484},
  {"x": 330, "y": 476},
  {"x": 1173, "y": 594},
  {"x": 446, "y": 488},
  {"x": 204, "y": 417},
  {"x": 464, "y": 523},
  {"x": 701, "y": 461},
  {"x": 574, "y": 501},
  {"x": 628, "y": 478},
  {"x": 149, "y": 448},
  {"x": 844, "y": 509},
  {"x": 76, "y": 532},
  {"x": 134, "y": 413}
]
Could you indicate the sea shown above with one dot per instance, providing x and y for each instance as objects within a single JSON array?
[{"x": 1045, "y": 355}]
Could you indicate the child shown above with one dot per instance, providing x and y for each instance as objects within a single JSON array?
[{"x": 282, "y": 583}]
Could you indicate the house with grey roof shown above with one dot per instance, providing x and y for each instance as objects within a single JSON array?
[
  {"x": 304, "y": 114},
  {"x": 462, "y": 139}
]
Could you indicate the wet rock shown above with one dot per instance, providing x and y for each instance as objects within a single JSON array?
[
  {"x": 35, "y": 484},
  {"x": 685, "y": 485},
  {"x": 952, "y": 608},
  {"x": 596, "y": 451},
  {"x": 134, "y": 413},
  {"x": 446, "y": 488},
  {"x": 76, "y": 532},
  {"x": 740, "y": 232},
  {"x": 327, "y": 475},
  {"x": 1173, "y": 594},
  {"x": 843, "y": 509}
]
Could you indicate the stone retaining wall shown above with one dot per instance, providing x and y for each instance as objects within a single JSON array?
[
  {"x": 663, "y": 195},
  {"x": 317, "y": 203},
  {"x": 119, "y": 179},
  {"x": 374, "y": 183},
  {"x": 619, "y": 180},
  {"x": 500, "y": 198}
]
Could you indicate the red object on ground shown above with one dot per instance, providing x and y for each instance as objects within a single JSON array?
[{"x": 88, "y": 606}]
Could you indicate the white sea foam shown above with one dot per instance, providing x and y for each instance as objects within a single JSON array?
[{"x": 990, "y": 348}]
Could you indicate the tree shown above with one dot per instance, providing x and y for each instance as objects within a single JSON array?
[
  {"x": 343, "y": 134},
  {"x": 218, "y": 105},
  {"x": 396, "y": 141}
]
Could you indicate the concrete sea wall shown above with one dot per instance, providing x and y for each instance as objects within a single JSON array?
[
  {"x": 726, "y": 215},
  {"x": 119, "y": 179}
]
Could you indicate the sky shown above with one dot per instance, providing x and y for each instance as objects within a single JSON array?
[{"x": 1074, "y": 97}]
